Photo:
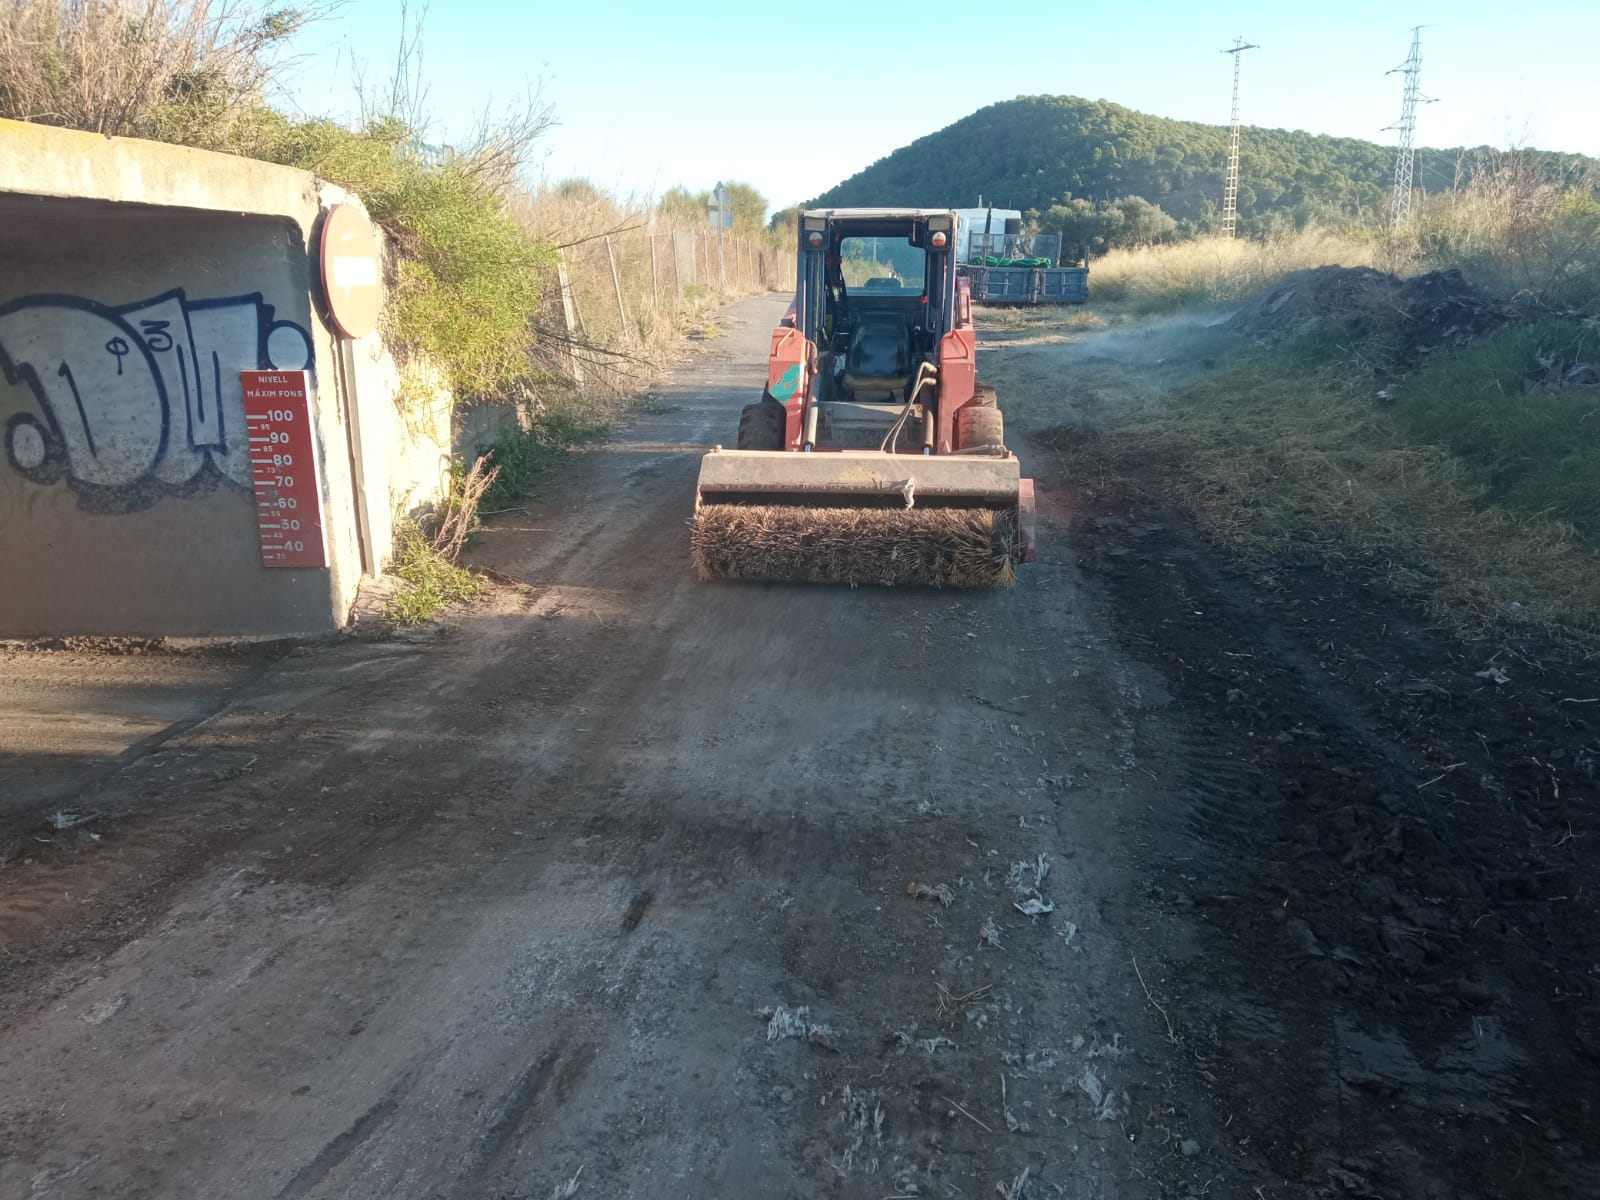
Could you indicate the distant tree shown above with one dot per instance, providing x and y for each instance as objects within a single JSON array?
[
  {"x": 784, "y": 219},
  {"x": 680, "y": 206},
  {"x": 749, "y": 206},
  {"x": 581, "y": 190},
  {"x": 1143, "y": 223},
  {"x": 1129, "y": 221},
  {"x": 1082, "y": 225}
]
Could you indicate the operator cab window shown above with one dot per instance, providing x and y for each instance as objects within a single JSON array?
[{"x": 881, "y": 266}]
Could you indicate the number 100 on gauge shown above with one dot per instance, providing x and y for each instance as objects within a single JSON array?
[{"x": 283, "y": 466}]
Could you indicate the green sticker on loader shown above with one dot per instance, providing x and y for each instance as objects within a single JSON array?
[{"x": 787, "y": 385}]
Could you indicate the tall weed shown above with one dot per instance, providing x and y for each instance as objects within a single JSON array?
[
  {"x": 1214, "y": 270},
  {"x": 187, "y": 71},
  {"x": 1516, "y": 234}
]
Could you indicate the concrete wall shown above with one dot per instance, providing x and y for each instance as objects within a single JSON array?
[
  {"x": 125, "y": 498},
  {"x": 405, "y": 435}
]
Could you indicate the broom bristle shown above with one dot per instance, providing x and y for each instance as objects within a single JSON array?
[{"x": 918, "y": 547}]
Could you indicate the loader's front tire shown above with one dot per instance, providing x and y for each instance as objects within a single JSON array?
[
  {"x": 762, "y": 425},
  {"x": 980, "y": 426},
  {"x": 983, "y": 396}
]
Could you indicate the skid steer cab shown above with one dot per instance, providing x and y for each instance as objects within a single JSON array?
[{"x": 874, "y": 455}]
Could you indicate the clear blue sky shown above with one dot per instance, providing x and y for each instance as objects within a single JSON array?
[{"x": 651, "y": 95}]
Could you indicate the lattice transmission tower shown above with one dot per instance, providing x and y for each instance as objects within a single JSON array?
[
  {"x": 1230, "y": 189},
  {"x": 1405, "y": 157}
]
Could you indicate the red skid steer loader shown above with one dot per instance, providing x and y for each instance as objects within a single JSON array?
[{"x": 874, "y": 455}]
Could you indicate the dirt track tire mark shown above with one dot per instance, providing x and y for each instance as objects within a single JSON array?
[
  {"x": 555, "y": 1075},
  {"x": 636, "y": 910},
  {"x": 332, "y": 1155}
]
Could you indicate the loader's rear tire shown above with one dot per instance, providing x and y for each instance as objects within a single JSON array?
[
  {"x": 762, "y": 425},
  {"x": 980, "y": 426},
  {"x": 983, "y": 397}
]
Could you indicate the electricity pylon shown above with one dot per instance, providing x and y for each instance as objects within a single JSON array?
[
  {"x": 1405, "y": 157},
  {"x": 1230, "y": 189}
]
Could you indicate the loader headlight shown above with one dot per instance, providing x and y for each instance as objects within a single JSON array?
[
  {"x": 814, "y": 240},
  {"x": 938, "y": 240}
]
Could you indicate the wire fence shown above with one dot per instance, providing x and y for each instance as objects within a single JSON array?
[{"x": 622, "y": 286}]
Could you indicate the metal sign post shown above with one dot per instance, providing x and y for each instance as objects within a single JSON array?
[
  {"x": 352, "y": 282},
  {"x": 719, "y": 213}
]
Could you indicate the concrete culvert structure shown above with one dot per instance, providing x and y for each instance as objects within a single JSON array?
[{"x": 142, "y": 284}]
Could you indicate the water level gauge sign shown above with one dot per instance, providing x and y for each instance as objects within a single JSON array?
[{"x": 283, "y": 468}]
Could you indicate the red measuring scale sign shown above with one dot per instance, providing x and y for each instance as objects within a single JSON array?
[{"x": 283, "y": 465}]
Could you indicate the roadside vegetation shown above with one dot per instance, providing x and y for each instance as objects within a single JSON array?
[
  {"x": 1512, "y": 232},
  {"x": 428, "y": 545},
  {"x": 526, "y": 459},
  {"x": 1278, "y": 458},
  {"x": 432, "y": 581},
  {"x": 1142, "y": 280},
  {"x": 1454, "y": 450}
]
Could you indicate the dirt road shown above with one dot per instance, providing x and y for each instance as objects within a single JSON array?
[
  {"x": 67, "y": 717},
  {"x": 603, "y": 890}
]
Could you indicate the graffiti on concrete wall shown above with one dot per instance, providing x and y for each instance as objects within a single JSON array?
[{"x": 139, "y": 401}]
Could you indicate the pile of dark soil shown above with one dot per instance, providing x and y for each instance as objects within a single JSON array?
[{"x": 1398, "y": 321}]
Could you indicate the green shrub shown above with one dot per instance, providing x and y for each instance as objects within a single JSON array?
[
  {"x": 431, "y": 580},
  {"x": 467, "y": 283},
  {"x": 525, "y": 457},
  {"x": 1498, "y": 405}
]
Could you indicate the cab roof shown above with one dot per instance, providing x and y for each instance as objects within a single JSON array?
[{"x": 876, "y": 214}]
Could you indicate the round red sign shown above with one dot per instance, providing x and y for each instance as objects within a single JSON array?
[{"x": 352, "y": 271}]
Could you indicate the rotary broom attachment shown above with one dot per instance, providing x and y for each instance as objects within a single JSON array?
[
  {"x": 917, "y": 547},
  {"x": 862, "y": 517}
]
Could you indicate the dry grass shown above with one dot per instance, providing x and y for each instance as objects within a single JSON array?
[
  {"x": 917, "y": 547},
  {"x": 1216, "y": 270},
  {"x": 950, "y": 1006},
  {"x": 1514, "y": 232},
  {"x": 457, "y": 514},
  {"x": 1272, "y": 460},
  {"x": 189, "y": 71}
]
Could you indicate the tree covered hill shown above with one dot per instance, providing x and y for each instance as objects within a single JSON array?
[{"x": 1036, "y": 152}]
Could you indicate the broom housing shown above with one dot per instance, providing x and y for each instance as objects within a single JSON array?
[{"x": 862, "y": 517}]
